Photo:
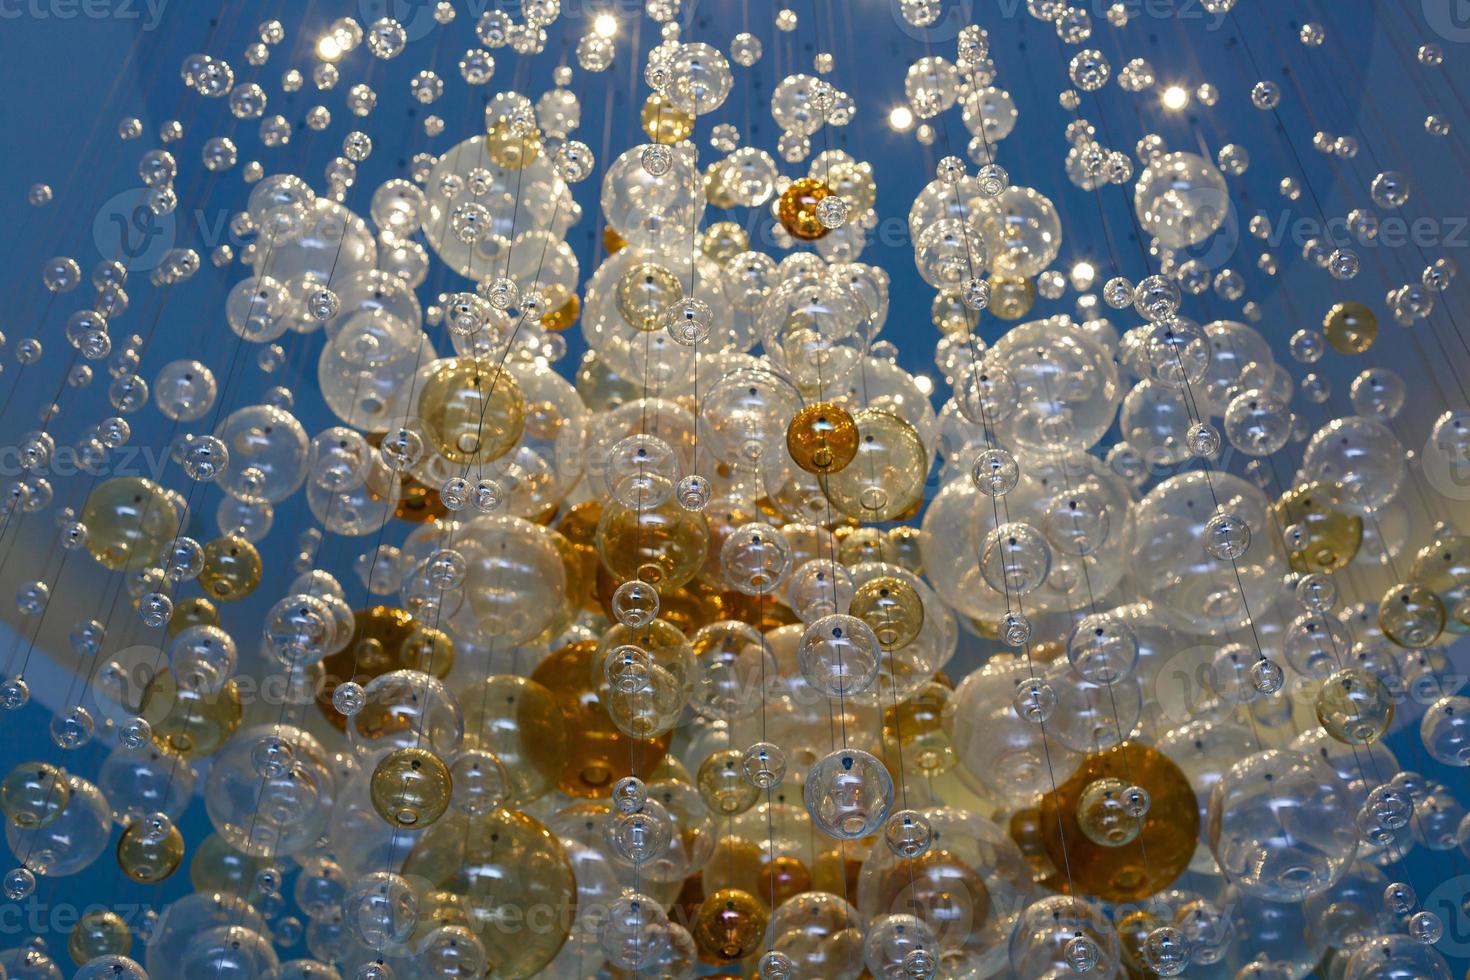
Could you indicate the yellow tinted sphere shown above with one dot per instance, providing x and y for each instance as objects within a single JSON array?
[
  {"x": 1350, "y": 327},
  {"x": 645, "y": 291},
  {"x": 34, "y": 794},
  {"x": 472, "y": 409},
  {"x": 564, "y": 315},
  {"x": 520, "y": 721},
  {"x": 951, "y": 316},
  {"x": 129, "y": 521},
  {"x": 503, "y": 860},
  {"x": 1011, "y": 298},
  {"x": 886, "y": 477},
  {"x": 722, "y": 783},
  {"x": 1354, "y": 707},
  {"x": 723, "y": 240},
  {"x": 188, "y": 722},
  {"x": 218, "y": 867},
  {"x": 822, "y": 438},
  {"x": 509, "y": 151},
  {"x": 662, "y": 122},
  {"x": 1330, "y": 536},
  {"x": 1443, "y": 567},
  {"x": 428, "y": 650},
  {"x": 99, "y": 932},
  {"x": 193, "y": 611},
  {"x": 410, "y": 787},
  {"x": 797, "y": 208},
  {"x": 915, "y": 730},
  {"x": 149, "y": 858},
  {"x": 231, "y": 570},
  {"x": 893, "y": 609},
  {"x": 1411, "y": 615},
  {"x": 664, "y": 546},
  {"x": 730, "y": 925}
]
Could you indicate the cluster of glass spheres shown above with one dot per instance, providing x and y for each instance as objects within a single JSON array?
[{"x": 726, "y": 649}]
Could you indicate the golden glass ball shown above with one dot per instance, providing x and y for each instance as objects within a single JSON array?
[
  {"x": 1350, "y": 327},
  {"x": 904, "y": 540},
  {"x": 892, "y": 607},
  {"x": 471, "y": 409},
  {"x": 129, "y": 521},
  {"x": 1011, "y": 297},
  {"x": 1411, "y": 615},
  {"x": 664, "y": 546},
  {"x": 193, "y": 611},
  {"x": 521, "y": 722},
  {"x": 717, "y": 190},
  {"x": 378, "y": 637},
  {"x": 33, "y": 794},
  {"x": 723, "y": 240},
  {"x": 190, "y": 722},
  {"x": 645, "y": 292},
  {"x": 1133, "y": 930},
  {"x": 662, "y": 122},
  {"x": 862, "y": 544},
  {"x": 99, "y": 932},
  {"x": 597, "y": 754},
  {"x": 218, "y": 867},
  {"x": 1102, "y": 815},
  {"x": 736, "y": 862},
  {"x": 730, "y": 926},
  {"x": 938, "y": 880},
  {"x": 232, "y": 568},
  {"x": 1154, "y": 858},
  {"x": 509, "y": 151},
  {"x": 1443, "y": 567},
  {"x": 1354, "y": 706},
  {"x": 951, "y": 316},
  {"x": 783, "y": 877},
  {"x": 417, "y": 503},
  {"x": 410, "y": 787},
  {"x": 515, "y": 874},
  {"x": 822, "y": 438},
  {"x": 564, "y": 315},
  {"x": 797, "y": 208},
  {"x": 428, "y": 650},
  {"x": 914, "y": 729},
  {"x": 148, "y": 858},
  {"x": 722, "y": 783},
  {"x": 887, "y": 476},
  {"x": 1331, "y": 535}
]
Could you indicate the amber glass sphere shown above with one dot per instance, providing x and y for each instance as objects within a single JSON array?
[
  {"x": 378, "y": 637},
  {"x": 149, "y": 857},
  {"x": 822, "y": 437},
  {"x": 1159, "y": 851},
  {"x": 1354, "y": 706},
  {"x": 187, "y": 721},
  {"x": 914, "y": 729},
  {"x": 730, "y": 925},
  {"x": 507, "y": 860},
  {"x": 521, "y": 722},
  {"x": 887, "y": 476},
  {"x": 797, "y": 209},
  {"x": 417, "y": 503},
  {"x": 471, "y": 409},
  {"x": 231, "y": 570},
  {"x": 1330, "y": 535},
  {"x": 722, "y": 783},
  {"x": 597, "y": 754},
  {"x": 193, "y": 611},
  {"x": 1411, "y": 615},
  {"x": 664, "y": 546},
  {"x": 99, "y": 932},
  {"x": 510, "y": 151},
  {"x": 662, "y": 122},
  {"x": 1443, "y": 567},
  {"x": 129, "y": 522},
  {"x": 410, "y": 787},
  {"x": 1350, "y": 327},
  {"x": 892, "y": 607},
  {"x": 34, "y": 794},
  {"x": 1011, "y": 297}
]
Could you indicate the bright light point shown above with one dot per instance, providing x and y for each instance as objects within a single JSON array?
[
  {"x": 924, "y": 383},
  {"x": 328, "y": 49},
  {"x": 1175, "y": 97},
  {"x": 1082, "y": 276},
  {"x": 901, "y": 118},
  {"x": 605, "y": 26}
]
